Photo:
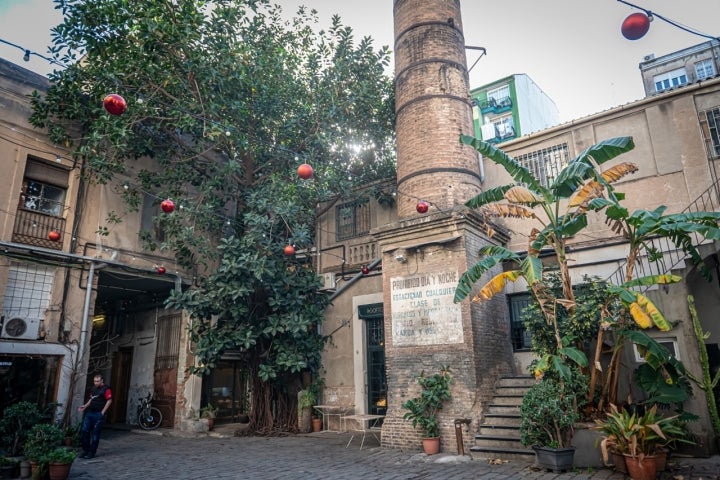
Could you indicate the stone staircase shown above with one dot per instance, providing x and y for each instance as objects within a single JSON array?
[{"x": 499, "y": 433}]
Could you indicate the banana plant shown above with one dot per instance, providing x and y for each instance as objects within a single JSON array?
[
  {"x": 558, "y": 211},
  {"x": 684, "y": 230}
]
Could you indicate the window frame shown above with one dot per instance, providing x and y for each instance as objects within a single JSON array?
[
  {"x": 668, "y": 79},
  {"x": 705, "y": 69}
]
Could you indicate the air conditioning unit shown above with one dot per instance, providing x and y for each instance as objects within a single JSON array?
[
  {"x": 21, "y": 328},
  {"x": 647, "y": 58},
  {"x": 328, "y": 281}
]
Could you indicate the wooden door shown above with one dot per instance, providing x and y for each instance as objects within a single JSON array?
[{"x": 120, "y": 385}]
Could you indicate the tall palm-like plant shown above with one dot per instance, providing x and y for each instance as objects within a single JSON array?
[{"x": 560, "y": 211}]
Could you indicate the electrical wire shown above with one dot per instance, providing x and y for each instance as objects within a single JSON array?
[{"x": 29, "y": 52}]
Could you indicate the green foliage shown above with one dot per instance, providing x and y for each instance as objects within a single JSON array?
[
  {"x": 208, "y": 411},
  {"x": 15, "y": 424},
  {"x": 581, "y": 324},
  {"x": 60, "y": 455},
  {"x": 550, "y": 409},
  {"x": 42, "y": 439},
  {"x": 225, "y": 100},
  {"x": 637, "y": 434},
  {"x": 422, "y": 410}
]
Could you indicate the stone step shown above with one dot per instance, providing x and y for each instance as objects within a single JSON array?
[
  {"x": 502, "y": 409},
  {"x": 499, "y": 430},
  {"x": 498, "y": 441},
  {"x": 516, "y": 454},
  {"x": 518, "y": 381},
  {"x": 511, "y": 390},
  {"x": 507, "y": 400},
  {"x": 505, "y": 419}
]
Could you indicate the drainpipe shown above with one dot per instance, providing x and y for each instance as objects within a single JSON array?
[
  {"x": 354, "y": 279},
  {"x": 86, "y": 313}
]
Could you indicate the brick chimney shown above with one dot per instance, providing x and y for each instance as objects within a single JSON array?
[{"x": 433, "y": 107}]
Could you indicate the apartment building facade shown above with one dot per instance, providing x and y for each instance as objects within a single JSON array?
[
  {"x": 79, "y": 293},
  {"x": 511, "y": 107}
]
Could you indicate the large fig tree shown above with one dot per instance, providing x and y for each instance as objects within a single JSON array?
[{"x": 225, "y": 99}]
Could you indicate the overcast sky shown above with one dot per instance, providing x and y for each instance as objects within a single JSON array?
[{"x": 572, "y": 49}]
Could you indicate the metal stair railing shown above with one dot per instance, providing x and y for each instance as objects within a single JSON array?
[{"x": 672, "y": 257}]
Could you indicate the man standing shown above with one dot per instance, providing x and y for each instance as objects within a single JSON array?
[{"x": 95, "y": 409}]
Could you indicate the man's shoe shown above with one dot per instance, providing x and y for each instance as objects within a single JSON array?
[{"x": 85, "y": 455}]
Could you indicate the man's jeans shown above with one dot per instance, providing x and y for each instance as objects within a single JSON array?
[{"x": 90, "y": 431}]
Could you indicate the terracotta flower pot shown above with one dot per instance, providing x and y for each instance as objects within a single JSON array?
[
  {"x": 641, "y": 467},
  {"x": 431, "y": 446},
  {"x": 317, "y": 424},
  {"x": 619, "y": 462},
  {"x": 59, "y": 471}
]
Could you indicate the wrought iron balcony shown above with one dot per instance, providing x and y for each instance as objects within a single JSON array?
[{"x": 33, "y": 228}]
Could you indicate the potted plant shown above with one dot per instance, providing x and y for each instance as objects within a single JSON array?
[
  {"x": 638, "y": 437},
  {"x": 548, "y": 412},
  {"x": 59, "y": 462},
  {"x": 209, "y": 412},
  {"x": 16, "y": 422},
  {"x": 422, "y": 410},
  {"x": 41, "y": 440},
  {"x": 306, "y": 400}
]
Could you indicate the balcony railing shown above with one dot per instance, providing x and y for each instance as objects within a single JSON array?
[
  {"x": 492, "y": 105},
  {"x": 33, "y": 228}
]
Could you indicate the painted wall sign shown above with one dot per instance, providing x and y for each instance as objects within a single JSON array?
[{"x": 423, "y": 311}]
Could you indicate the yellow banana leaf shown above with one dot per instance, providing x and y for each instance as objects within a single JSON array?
[
  {"x": 590, "y": 190},
  {"x": 618, "y": 171},
  {"x": 518, "y": 194},
  {"x": 646, "y": 314},
  {"x": 496, "y": 285},
  {"x": 506, "y": 210}
]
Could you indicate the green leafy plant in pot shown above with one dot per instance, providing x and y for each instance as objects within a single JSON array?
[
  {"x": 59, "y": 461},
  {"x": 422, "y": 410},
  {"x": 548, "y": 413}
]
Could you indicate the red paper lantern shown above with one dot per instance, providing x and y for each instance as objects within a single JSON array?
[
  {"x": 305, "y": 171},
  {"x": 422, "y": 206},
  {"x": 161, "y": 270},
  {"x": 365, "y": 270},
  {"x": 635, "y": 26},
  {"x": 114, "y": 104},
  {"x": 289, "y": 250},
  {"x": 54, "y": 235},
  {"x": 167, "y": 206}
]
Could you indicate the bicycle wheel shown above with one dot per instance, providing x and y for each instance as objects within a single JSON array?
[{"x": 150, "y": 419}]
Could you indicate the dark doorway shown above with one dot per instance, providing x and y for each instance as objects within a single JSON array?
[
  {"x": 120, "y": 384},
  {"x": 375, "y": 348},
  {"x": 226, "y": 388}
]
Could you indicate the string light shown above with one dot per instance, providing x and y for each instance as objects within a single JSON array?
[{"x": 27, "y": 52}]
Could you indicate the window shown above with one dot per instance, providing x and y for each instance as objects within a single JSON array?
[
  {"x": 503, "y": 126},
  {"x": 547, "y": 163},
  {"x": 671, "y": 79},
  {"x": 352, "y": 219},
  {"x": 149, "y": 229},
  {"x": 704, "y": 69},
  {"x": 42, "y": 197},
  {"x": 670, "y": 344},
  {"x": 710, "y": 125},
  {"x": 43, "y": 188},
  {"x": 519, "y": 336},
  {"x": 499, "y": 94}
]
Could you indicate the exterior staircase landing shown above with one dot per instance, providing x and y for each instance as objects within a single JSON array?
[{"x": 499, "y": 433}]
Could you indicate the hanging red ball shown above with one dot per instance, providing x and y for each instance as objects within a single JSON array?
[
  {"x": 422, "y": 206},
  {"x": 167, "y": 206},
  {"x": 289, "y": 250},
  {"x": 305, "y": 171},
  {"x": 54, "y": 235},
  {"x": 635, "y": 26},
  {"x": 161, "y": 270},
  {"x": 365, "y": 270},
  {"x": 114, "y": 104}
]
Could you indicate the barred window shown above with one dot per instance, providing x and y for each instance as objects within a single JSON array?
[
  {"x": 547, "y": 163},
  {"x": 352, "y": 219}
]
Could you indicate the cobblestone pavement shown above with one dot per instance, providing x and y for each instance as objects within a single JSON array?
[{"x": 159, "y": 456}]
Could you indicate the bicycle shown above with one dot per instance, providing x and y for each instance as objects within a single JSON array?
[{"x": 149, "y": 417}]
